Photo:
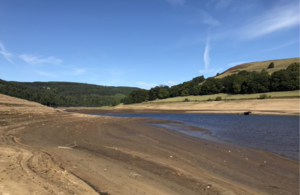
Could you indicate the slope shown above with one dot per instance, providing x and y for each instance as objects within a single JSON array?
[{"x": 258, "y": 66}]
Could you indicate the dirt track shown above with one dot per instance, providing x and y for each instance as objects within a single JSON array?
[{"x": 124, "y": 156}]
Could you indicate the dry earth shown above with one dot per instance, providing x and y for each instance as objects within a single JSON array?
[
  {"x": 285, "y": 106},
  {"x": 47, "y": 151}
]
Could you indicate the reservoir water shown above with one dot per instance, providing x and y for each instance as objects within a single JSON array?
[{"x": 276, "y": 134}]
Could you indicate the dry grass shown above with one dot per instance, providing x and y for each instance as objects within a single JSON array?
[
  {"x": 231, "y": 97},
  {"x": 258, "y": 66}
]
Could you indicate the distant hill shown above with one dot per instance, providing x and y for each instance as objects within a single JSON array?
[
  {"x": 71, "y": 88},
  {"x": 258, "y": 66},
  {"x": 249, "y": 78},
  {"x": 65, "y": 93}
]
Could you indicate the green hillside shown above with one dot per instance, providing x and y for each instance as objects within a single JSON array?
[
  {"x": 71, "y": 88},
  {"x": 258, "y": 66},
  {"x": 65, "y": 93},
  {"x": 224, "y": 96},
  {"x": 252, "y": 78}
]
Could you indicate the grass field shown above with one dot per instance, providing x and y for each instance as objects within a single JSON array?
[
  {"x": 231, "y": 97},
  {"x": 258, "y": 66}
]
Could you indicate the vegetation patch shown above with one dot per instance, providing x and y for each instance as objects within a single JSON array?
[
  {"x": 219, "y": 98},
  {"x": 245, "y": 83},
  {"x": 65, "y": 93}
]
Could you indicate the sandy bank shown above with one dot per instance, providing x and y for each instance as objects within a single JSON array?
[
  {"x": 124, "y": 156},
  {"x": 264, "y": 107}
]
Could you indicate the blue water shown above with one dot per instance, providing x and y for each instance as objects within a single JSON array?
[{"x": 277, "y": 134}]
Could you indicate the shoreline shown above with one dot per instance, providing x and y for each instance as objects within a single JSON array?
[
  {"x": 156, "y": 111},
  {"x": 212, "y": 138},
  {"x": 167, "y": 124},
  {"x": 48, "y": 151},
  {"x": 288, "y": 107}
]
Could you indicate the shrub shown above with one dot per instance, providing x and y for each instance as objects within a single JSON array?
[
  {"x": 209, "y": 99},
  {"x": 263, "y": 96},
  {"x": 186, "y": 100},
  {"x": 271, "y": 65},
  {"x": 219, "y": 98}
]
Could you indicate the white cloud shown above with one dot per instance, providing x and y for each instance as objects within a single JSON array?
[
  {"x": 176, "y": 2},
  {"x": 171, "y": 83},
  {"x": 147, "y": 85},
  {"x": 206, "y": 59},
  {"x": 5, "y": 54},
  {"x": 279, "y": 18},
  {"x": 206, "y": 55},
  {"x": 48, "y": 74},
  {"x": 31, "y": 59}
]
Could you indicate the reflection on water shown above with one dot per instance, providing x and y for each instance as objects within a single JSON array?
[{"x": 277, "y": 134}]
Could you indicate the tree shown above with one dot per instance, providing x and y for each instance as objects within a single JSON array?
[
  {"x": 185, "y": 92},
  {"x": 271, "y": 65},
  {"x": 153, "y": 93},
  {"x": 139, "y": 95},
  {"x": 163, "y": 93},
  {"x": 211, "y": 86},
  {"x": 174, "y": 91}
]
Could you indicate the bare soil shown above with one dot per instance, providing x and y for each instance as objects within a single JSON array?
[
  {"x": 284, "y": 106},
  {"x": 48, "y": 151}
]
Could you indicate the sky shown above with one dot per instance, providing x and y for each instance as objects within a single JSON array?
[{"x": 141, "y": 43}]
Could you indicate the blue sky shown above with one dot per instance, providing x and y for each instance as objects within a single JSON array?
[{"x": 141, "y": 43}]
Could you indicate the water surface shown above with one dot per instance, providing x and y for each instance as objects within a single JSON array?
[{"x": 277, "y": 134}]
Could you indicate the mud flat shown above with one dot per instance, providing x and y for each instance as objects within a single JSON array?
[{"x": 48, "y": 151}]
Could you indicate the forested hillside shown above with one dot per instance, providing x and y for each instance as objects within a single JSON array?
[
  {"x": 65, "y": 93},
  {"x": 243, "y": 82}
]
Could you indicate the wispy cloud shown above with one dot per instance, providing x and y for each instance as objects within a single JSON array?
[
  {"x": 48, "y": 74},
  {"x": 209, "y": 19},
  {"x": 32, "y": 59},
  {"x": 75, "y": 71},
  {"x": 219, "y": 4},
  {"x": 206, "y": 54},
  {"x": 206, "y": 59},
  {"x": 281, "y": 46},
  {"x": 5, "y": 54},
  {"x": 176, "y": 2},
  {"x": 147, "y": 85},
  {"x": 171, "y": 83},
  {"x": 281, "y": 17}
]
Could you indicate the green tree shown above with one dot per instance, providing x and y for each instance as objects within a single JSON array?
[
  {"x": 153, "y": 93},
  {"x": 163, "y": 93},
  {"x": 271, "y": 65}
]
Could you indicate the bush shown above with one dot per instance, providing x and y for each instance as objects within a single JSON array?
[
  {"x": 271, "y": 65},
  {"x": 186, "y": 100},
  {"x": 219, "y": 98},
  {"x": 263, "y": 96},
  {"x": 209, "y": 99}
]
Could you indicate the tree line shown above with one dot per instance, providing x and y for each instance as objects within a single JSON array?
[
  {"x": 65, "y": 94},
  {"x": 244, "y": 82}
]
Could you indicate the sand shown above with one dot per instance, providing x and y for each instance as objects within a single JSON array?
[{"x": 48, "y": 151}]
